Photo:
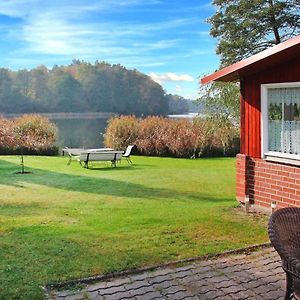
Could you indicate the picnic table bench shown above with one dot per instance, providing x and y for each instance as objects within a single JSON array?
[{"x": 108, "y": 155}]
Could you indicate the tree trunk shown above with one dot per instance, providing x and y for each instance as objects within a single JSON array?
[
  {"x": 273, "y": 23},
  {"x": 22, "y": 161}
]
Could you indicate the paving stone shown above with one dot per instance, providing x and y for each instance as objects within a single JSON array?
[
  {"x": 263, "y": 289},
  {"x": 94, "y": 296},
  {"x": 65, "y": 293},
  {"x": 117, "y": 282},
  {"x": 202, "y": 269},
  {"x": 253, "y": 285},
  {"x": 212, "y": 294},
  {"x": 186, "y": 268},
  {"x": 150, "y": 296},
  {"x": 172, "y": 290},
  {"x": 219, "y": 279},
  {"x": 112, "y": 290},
  {"x": 79, "y": 296},
  {"x": 183, "y": 274},
  {"x": 119, "y": 296},
  {"x": 162, "y": 278},
  {"x": 201, "y": 290},
  {"x": 221, "y": 298},
  {"x": 226, "y": 284},
  {"x": 274, "y": 295},
  {"x": 142, "y": 291},
  {"x": 96, "y": 286},
  {"x": 188, "y": 280},
  {"x": 139, "y": 277},
  {"x": 240, "y": 295},
  {"x": 177, "y": 296},
  {"x": 137, "y": 285},
  {"x": 256, "y": 276},
  {"x": 161, "y": 272},
  {"x": 233, "y": 289}
]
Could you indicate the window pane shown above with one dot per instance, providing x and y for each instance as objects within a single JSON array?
[{"x": 284, "y": 120}]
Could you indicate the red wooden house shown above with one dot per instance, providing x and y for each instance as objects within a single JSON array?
[{"x": 268, "y": 167}]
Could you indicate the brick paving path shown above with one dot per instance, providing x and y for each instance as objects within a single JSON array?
[{"x": 254, "y": 276}]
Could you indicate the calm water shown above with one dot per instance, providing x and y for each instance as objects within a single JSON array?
[
  {"x": 81, "y": 133},
  {"x": 88, "y": 133}
]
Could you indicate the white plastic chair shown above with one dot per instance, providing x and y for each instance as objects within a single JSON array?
[
  {"x": 127, "y": 153},
  {"x": 72, "y": 156}
]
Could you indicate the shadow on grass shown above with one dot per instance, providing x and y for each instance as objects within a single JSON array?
[{"x": 99, "y": 186}]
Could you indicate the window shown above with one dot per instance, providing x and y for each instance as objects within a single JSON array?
[{"x": 281, "y": 120}]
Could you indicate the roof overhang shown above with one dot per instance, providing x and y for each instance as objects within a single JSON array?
[{"x": 259, "y": 62}]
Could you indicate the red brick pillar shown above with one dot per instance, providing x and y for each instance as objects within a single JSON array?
[{"x": 241, "y": 177}]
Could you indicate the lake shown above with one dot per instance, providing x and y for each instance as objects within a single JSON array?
[
  {"x": 88, "y": 132},
  {"x": 81, "y": 133}
]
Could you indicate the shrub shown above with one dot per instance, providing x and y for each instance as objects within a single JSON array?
[
  {"x": 167, "y": 137},
  {"x": 6, "y": 133},
  {"x": 121, "y": 132},
  {"x": 152, "y": 136},
  {"x": 182, "y": 138},
  {"x": 29, "y": 134},
  {"x": 34, "y": 132}
]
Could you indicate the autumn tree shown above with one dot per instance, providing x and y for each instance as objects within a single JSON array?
[{"x": 32, "y": 132}]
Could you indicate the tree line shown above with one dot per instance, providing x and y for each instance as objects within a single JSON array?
[{"x": 84, "y": 87}]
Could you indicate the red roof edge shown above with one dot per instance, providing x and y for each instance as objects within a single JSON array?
[{"x": 231, "y": 73}]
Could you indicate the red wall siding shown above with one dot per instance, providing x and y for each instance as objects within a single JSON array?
[{"x": 250, "y": 103}]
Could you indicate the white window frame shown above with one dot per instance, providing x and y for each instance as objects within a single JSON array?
[{"x": 264, "y": 123}]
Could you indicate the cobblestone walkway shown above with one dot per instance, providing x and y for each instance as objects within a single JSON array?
[{"x": 254, "y": 276}]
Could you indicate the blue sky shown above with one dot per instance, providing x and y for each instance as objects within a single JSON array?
[{"x": 168, "y": 40}]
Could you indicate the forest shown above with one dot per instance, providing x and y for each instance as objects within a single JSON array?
[{"x": 85, "y": 87}]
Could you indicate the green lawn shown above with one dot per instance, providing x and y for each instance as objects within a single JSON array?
[{"x": 65, "y": 222}]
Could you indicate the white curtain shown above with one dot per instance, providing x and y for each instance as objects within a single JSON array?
[
  {"x": 284, "y": 135},
  {"x": 284, "y": 95}
]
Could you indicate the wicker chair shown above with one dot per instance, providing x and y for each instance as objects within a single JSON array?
[{"x": 284, "y": 233}]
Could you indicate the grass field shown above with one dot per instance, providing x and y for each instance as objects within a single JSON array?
[{"x": 65, "y": 222}]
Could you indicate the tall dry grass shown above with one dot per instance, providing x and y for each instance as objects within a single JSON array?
[{"x": 167, "y": 137}]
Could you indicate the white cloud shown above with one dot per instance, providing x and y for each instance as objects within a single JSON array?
[
  {"x": 47, "y": 29},
  {"x": 178, "y": 89},
  {"x": 160, "y": 78},
  {"x": 62, "y": 27}
]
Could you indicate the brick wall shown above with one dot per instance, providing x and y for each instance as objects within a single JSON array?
[{"x": 265, "y": 182}]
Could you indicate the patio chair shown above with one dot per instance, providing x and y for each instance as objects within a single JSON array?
[
  {"x": 72, "y": 156},
  {"x": 127, "y": 153},
  {"x": 284, "y": 233}
]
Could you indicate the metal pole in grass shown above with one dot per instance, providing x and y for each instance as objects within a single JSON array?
[
  {"x": 22, "y": 160},
  {"x": 247, "y": 204}
]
